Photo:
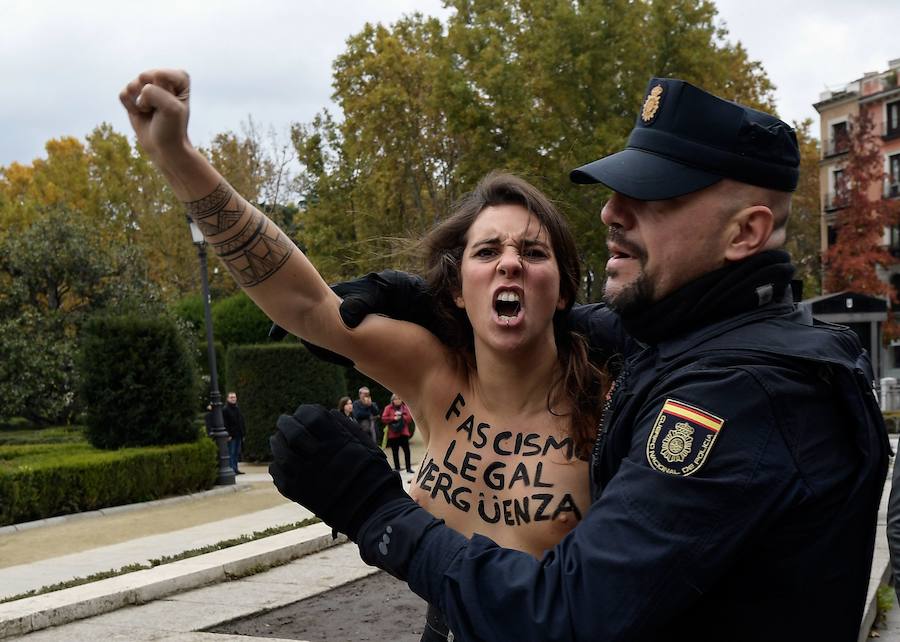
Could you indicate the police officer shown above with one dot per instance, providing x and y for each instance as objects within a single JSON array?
[{"x": 739, "y": 465}]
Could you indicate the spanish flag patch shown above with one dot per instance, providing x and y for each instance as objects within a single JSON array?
[{"x": 681, "y": 438}]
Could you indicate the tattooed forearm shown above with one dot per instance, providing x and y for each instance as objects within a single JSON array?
[
  {"x": 251, "y": 246},
  {"x": 212, "y": 213}
]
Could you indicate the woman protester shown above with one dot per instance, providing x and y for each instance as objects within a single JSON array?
[{"x": 507, "y": 409}]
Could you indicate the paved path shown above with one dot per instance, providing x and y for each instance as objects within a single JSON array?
[
  {"x": 47, "y": 552},
  {"x": 168, "y": 603},
  {"x": 181, "y": 617}
]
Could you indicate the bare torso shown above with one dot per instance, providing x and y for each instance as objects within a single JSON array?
[{"x": 514, "y": 480}]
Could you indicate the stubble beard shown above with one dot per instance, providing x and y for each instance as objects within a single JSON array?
[{"x": 632, "y": 298}]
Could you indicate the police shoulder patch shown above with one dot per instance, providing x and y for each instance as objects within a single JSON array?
[{"x": 681, "y": 438}]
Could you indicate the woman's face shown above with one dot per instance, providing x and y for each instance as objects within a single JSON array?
[
  {"x": 348, "y": 407},
  {"x": 510, "y": 278},
  {"x": 396, "y": 401}
]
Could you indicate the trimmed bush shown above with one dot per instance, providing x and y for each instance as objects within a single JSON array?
[
  {"x": 45, "y": 480},
  {"x": 273, "y": 379},
  {"x": 138, "y": 383},
  {"x": 237, "y": 320}
]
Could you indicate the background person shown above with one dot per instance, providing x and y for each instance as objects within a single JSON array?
[
  {"x": 397, "y": 420},
  {"x": 345, "y": 407},
  {"x": 234, "y": 425},
  {"x": 367, "y": 414}
]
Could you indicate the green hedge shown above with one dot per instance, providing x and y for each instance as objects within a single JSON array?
[
  {"x": 139, "y": 385},
  {"x": 273, "y": 379},
  {"x": 238, "y": 320},
  {"x": 45, "y": 480}
]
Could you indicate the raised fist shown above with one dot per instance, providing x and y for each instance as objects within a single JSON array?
[{"x": 158, "y": 108}]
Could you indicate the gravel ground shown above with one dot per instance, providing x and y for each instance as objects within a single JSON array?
[{"x": 377, "y": 607}]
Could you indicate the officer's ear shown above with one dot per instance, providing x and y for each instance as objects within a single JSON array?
[{"x": 749, "y": 232}]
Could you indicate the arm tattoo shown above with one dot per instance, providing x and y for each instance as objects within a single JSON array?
[{"x": 250, "y": 245}]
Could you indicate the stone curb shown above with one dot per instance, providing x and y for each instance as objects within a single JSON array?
[
  {"x": 60, "y": 607},
  {"x": 123, "y": 508},
  {"x": 871, "y": 610}
]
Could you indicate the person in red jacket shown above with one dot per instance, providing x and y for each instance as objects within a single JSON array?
[{"x": 397, "y": 420}]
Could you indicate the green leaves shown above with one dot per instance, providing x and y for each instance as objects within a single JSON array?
[
  {"x": 536, "y": 87},
  {"x": 53, "y": 275},
  {"x": 804, "y": 235}
]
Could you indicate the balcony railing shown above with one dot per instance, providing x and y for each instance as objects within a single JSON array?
[
  {"x": 886, "y": 131},
  {"x": 835, "y": 201},
  {"x": 835, "y": 146}
]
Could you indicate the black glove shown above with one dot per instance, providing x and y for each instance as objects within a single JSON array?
[
  {"x": 325, "y": 462},
  {"x": 394, "y": 294}
]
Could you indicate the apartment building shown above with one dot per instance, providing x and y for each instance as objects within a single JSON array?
[{"x": 878, "y": 94}]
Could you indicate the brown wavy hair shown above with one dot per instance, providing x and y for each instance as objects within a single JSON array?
[{"x": 581, "y": 382}]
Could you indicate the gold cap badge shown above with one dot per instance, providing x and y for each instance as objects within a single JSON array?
[{"x": 651, "y": 105}]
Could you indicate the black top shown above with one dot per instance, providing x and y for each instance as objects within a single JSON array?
[{"x": 234, "y": 420}]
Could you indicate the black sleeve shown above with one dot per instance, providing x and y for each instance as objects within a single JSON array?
[{"x": 603, "y": 330}]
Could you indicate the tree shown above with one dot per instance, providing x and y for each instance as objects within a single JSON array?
[
  {"x": 804, "y": 235},
  {"x": 109, "y": 184},
  {"x": 536, "y": 88},
  {"x": 53, "y": 275},
  {"x": 854, "y": 260}
]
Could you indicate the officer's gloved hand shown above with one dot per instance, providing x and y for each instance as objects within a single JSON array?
[
  {"x": 324, "y": 462},
  {"x": 394, "y": 294},
  {"x": 398, "y": 295}
]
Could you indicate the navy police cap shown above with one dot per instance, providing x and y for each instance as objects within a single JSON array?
[{"x": 686, "y": 139}]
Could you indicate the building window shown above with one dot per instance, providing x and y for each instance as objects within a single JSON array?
[
  {"x": 895, "y": 283},
  {"x": 837, "y": 198},
  {"x": 832, "y": 235},
  {"x": 893, "y": 187},
  {"x": 893, "y": 119},
  {"x": 840, "y": 139},
  {"x": 893, "y": 239}
]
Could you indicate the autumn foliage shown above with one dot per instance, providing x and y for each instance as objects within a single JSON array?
[{"x": 851, "y": 263}]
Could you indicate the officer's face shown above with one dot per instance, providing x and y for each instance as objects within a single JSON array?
[{"x": 656, "y": 247}]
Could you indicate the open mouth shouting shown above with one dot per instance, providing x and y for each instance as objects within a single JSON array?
[{"x": 508, "y": 306}]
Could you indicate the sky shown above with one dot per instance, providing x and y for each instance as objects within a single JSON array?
[{"x": 63, "y": 63}]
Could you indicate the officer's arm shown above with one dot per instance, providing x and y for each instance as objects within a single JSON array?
[
  {"x": 602, "y": 328},
  {"x": 645, "y": 550}
]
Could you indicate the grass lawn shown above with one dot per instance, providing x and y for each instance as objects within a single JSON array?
[
  {"x": 50, "y": 435},
  {"x": 33, "y": 447}
]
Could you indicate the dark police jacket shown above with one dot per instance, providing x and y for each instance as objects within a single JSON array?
[{"x": 736, "y": 487}]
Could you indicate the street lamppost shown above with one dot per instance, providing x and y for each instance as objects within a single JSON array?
[{"x": 217, "y": 432}]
